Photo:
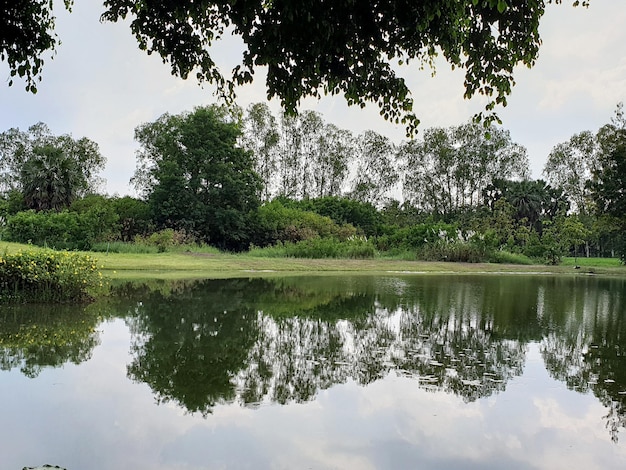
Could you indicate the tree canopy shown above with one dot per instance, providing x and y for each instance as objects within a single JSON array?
[
  {"x": 49, "y": 171},
  {"x": 196, "y": 178},
  {"x": 318, "y": 47}
]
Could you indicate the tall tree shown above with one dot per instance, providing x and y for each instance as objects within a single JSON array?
[
  {"x": 608, "y": 186},
  {"x": 449, "y": 169},
  {"x": 195, "y": 176},
  {"x": 289, "y": 149},
  {"x": 570, "y": 165},
  {"x": 482, "y": 154},
  {"x": 343, "y": 46},
  {"x": 261, "y": 136},
  {"x": 532, "y": 201},
  {"x": 312, "y": 157},
  {"x": 49, "y": 171},
  {"x": 376, "y": 172},
  {"x": 331, "y": 168}
]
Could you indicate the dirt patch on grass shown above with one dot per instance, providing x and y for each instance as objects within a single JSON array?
[{"x": 199, "y": 255}]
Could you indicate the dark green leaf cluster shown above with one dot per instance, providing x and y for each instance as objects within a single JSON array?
[
  {"x": 26, "y": 32},
  {"x": 196, "y": 178},
  {"x": 349, "y": 46}
]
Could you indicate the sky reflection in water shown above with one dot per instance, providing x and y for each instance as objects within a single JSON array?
[{"x": 435, "y": 372}]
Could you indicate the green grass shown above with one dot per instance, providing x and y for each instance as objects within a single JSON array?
[
  {"x": 123, "y": 247},
  {"x": 213, "y": 264},
  {"x": 593, "y": 262}
]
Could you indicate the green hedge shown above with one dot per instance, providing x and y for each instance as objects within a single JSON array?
[
  {"x": 48, "y": 276},
  {"x": 355, "y": 248}
]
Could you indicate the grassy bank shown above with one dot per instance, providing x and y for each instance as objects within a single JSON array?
[{"x": 204, "y": 265}]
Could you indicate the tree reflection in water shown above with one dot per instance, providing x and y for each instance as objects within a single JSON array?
[
  {"x": 258, "y": 341},
  {"x": 34, "y": 337},
  {"x": 586, "y": 348}
]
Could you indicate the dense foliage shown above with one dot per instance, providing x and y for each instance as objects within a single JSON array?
[
  {"x": 26, "y": 32},
  {"x": 50, "y": 172},
  {"x": 348, "y": 47},
  {"x": 48, "y": 276},
  {"x": 327, "y": 193},
  {"x": 196, "y": 178}
]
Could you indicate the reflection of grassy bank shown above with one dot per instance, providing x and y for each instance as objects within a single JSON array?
[{"x": 210, "y": 265}]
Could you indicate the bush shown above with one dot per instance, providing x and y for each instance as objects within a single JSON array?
[
  {"x": 165, "y": 239},
  {"x": 275, "y": 223},
  {"x": 60, "y": 230},
  {"x": 317, "y": 248},
  {"x": 48, "y": 276},
  {"x": 457, "y": 251},
  {"x": 505, "y": 257},
  {"x": 414, "y": 237},
  {"x": 342, "y": 211}
]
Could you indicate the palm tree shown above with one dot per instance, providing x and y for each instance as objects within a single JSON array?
[
  {"x": 527, "y": 198},
  {"x": 49, "y": 179}
]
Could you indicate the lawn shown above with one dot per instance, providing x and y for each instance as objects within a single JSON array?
[{"x": 183, "y": 265}]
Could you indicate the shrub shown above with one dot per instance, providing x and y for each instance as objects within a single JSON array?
[
  {"x": 275, "y": 222},
  {"x": 458, "y": 251},
  {"x": 165, "y": 239},
  {"x": 61, "y": 230},
  {"x": 505, "y": 257},
  {"x": 48, "y": 276},
  {"x": 317, "y": 248},
  {"x": 342, "y": 211},
  {"x": 359, "y": 248},
  {"x": 414, "y": 237}
]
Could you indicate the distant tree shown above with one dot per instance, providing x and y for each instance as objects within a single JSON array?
[
  {"x": 450, "y": 167},
  {"x": 482, "y": 154},
  {"x": 289, "y": 164},
  {"x": 532, "y": 201},
  {"x": 570, "y": 165},
  {"x": 196, "y": 178},
  {"x": 261, "y": 136},
  {"x": 376, "y": 172},
  {"x": 332, "y": 165},
  {"x": 608, "y": 185},
  {"x": 573, "y": 233},
  {"x": 313, "y": 157},
  {"x": 50, "y": 171},
  {"x": 315, "y": 47},
  {"x": 312, "y": 145}
]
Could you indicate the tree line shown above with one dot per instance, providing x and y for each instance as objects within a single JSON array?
[{"x": 238, "y": 180}]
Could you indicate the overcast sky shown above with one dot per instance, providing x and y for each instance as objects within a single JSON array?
[{"x": 101, "y": 86}]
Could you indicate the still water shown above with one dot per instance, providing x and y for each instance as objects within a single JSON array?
[{"x": 437, "y": 372}]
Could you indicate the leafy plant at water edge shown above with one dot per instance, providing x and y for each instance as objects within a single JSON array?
[{"x": 48, "y": 276}]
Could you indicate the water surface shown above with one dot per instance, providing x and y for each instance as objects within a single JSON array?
[{"x": 445, "y": 372}]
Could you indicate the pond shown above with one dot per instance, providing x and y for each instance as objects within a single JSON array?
[{"x": 387, "y": 372}]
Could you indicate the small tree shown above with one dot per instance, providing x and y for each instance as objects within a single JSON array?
[{"x": 574, "y": 233}]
